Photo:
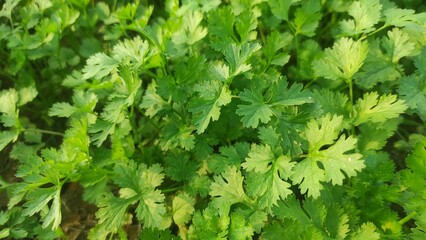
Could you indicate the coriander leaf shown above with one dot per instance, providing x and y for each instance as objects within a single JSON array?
[
  {"x": 183, "y": 208},
  {"x": 365, "y": 13},
  {"x": 229, "y": 156},
  {"x": 179, "y": 166},
  {"x": 240, "y": 228},
  {"x": 307, "y": 18},
  {"x": 8, "y": 7},
  {"x": 333, "y": 160},
  {"x": 237, "y": 56},
  {"x": 398, "y": 45},
  {"x": 337, "y": 159},
  {"x": 8, "y": 101},
  {"x": 366, "y": 231},
  {"x": 152, "y": 102},
  {"x": 310, "y": 176},
  {"x": 257, "y": 111},
  {"x": 38, "y": 199},
  {"x": 133, "y": 53},
  {"x": 279, "y": 96},
  {"x": 206, "y": 108},
  {"x": 6, "y": 137},
  {"x": 373, "y": 109},
  {"x": 246, "y": 25},
  {"x": 190, "y": 30},
  {"x": 341, "y": 61},
  {"x": 323, "y": 132},
  {"x": 274, "y": 48},
  {"x": 221, "y": 28},
  {"x": 112, "y": 211},
  {"x": 378, "y": 66},
  {"x": 208, "y": 224},
  {"x": 402, "y": 17},
  {"x": 280, "y": 8},
  {"x": 332, "y": 102},
  {"x": 269, "y": 136},
  {"x": 413, "y": 92},
  {"x": 266, "y": 183},
  {"x": 173, "y": 136},
  {"x": 99, "y": 66},
  {"x": 62, "y": 109},
  {"x": 227, "y": 190},
  {"x": 26, "y": 95}
]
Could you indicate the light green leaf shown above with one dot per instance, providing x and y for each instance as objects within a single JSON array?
[
  {"x": 191, "y": 30},
  {"x": 341, "y": 61},
  {"x": 398, "y": 45},
  {"x": 6, "y": 137},
  {"x": 152, "y": 102},
  {"x": 207, "y": 108},
  {"x": 99, "y": 66},
  {"x": 307, "y": 18},
  {"x": 372, "y": 108},
  {"x": 227, "y": 190},
  {"x": 183, "y": 208},
  {"x": 366, "y": 231},
  {"x": 365, "y": 13},
  {"x": 280, "y": 8},
  {"x": 237, "y": 56},
  {"x": 26, "y": 95}
]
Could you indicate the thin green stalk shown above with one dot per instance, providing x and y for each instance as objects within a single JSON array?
[
  {"x": 45, "y": 131},
  {"x": 407, "y": 218}
]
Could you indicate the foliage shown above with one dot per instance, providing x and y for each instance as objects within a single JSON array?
[{"x": 265, "y": 119}]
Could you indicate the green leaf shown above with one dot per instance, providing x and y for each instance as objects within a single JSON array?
[
  {"x": 239, "y": 227},
  {"x": 130, "y": 52},
  {"x": 266, "y": 183},
  {"x": 334, "y": 160},
  {"x": 398, "y": 45},
  {"x": 378, "y": 66},
  {"x": 206, "y": 108},
  {"x": 152, "y": 102},
  {"x": 26, "y": 95},
  {"x": 413, "y": 92},
  {"x": 280, "y": 8},
  {"x": 403, "y": 17},
  {"x": 38, "y": 200},
  {"x": 257, "y": 111},
  {"x": 221, "y": 28},
  {"x": 372, "y": 108},
  {"x": 208, "y": 225},
  {"x": 365, "y": 13},
  {"x": 8, "y": 101},
  {"x": 341, "y": 61},
  {"x": 183, "y": 208},
  {"x": 237, "y": 56},
  {"x": 275, "y": 47},
  {"x": 246, "y": 25},
  {"x": 62, "y": 109},
  {"x": 307, "y": 18},
  {"x": 6, "y": 137},
  {"x": 366, "y": 231},
  {"x": 99, "y": 66},
  {"x": 8, "y": 7},
  {"x": 191, "y": 30},
  {"x": 112, "y": 211},
  {"x": 227, "y": 190},
  {"x": 279, "y": 96}
]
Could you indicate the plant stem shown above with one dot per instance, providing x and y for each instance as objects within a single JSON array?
[
  {"x": 173, "y": 189},
  {"x": 45, "y": 131},
  {"x": 407, "y": 218}
]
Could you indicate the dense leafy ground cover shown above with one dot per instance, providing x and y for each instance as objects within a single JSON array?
[{"x": 209, "y": 119}]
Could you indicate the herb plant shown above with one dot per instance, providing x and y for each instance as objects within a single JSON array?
[{"x": 210, "y": 119}]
